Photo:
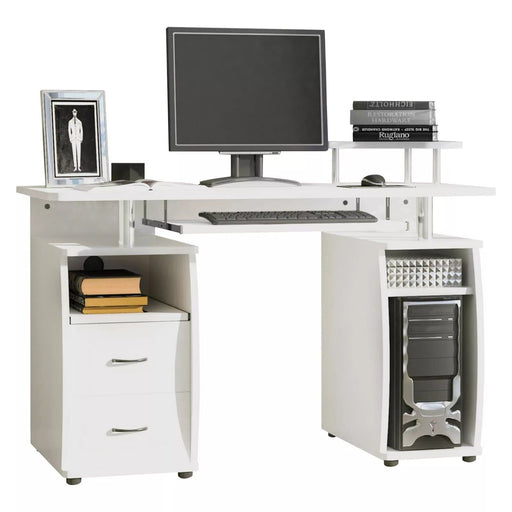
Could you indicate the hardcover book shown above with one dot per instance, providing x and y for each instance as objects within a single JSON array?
[
  {"x": 393, "y": 128},
  {"x": 104, "y": 282},
  {"x": 109, "y": 300},
  {"x": 395, "y": 136},
  {"x": 105, "y": 309},
  {"x": 393, "y": 105},
  {"x": 398, "y": 117}
]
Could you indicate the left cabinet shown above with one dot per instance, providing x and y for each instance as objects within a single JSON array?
[{"x": 115, "y": 394}]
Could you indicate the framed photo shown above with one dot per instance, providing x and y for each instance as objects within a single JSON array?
[{"x": 75, "y": 137}]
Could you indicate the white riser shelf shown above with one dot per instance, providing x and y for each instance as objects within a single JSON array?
[{"x": 442, "y": 144}]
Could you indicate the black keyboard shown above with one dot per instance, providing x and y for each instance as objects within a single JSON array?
[{"x": 288, "y": 217}]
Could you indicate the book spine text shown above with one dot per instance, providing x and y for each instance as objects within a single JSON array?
[
  {"x": 394, "y": 128},
  {"x": 393, "y": 105},
  {"x": 395, "y": 136}
]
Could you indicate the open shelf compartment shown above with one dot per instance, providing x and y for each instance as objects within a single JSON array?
[
  {"x": 466, "y": 288},
  {"x": 163, "y": 281}
]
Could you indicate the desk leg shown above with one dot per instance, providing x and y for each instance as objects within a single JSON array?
[{"x": 335, "y": 166}]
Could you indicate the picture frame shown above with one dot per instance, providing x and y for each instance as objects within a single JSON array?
[{"x": 74, "y": 137}]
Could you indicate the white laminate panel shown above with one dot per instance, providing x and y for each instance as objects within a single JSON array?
[
  {"x": 90, "y": 349},
  {"x": 442, "y": 144},
  {"x": 355, "y": 341},
  {"x": 155, "y": 311},
  {"x": 94, "y": 450}
]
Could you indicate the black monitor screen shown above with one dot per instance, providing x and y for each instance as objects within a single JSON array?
[{"x": 243, "y": 90}]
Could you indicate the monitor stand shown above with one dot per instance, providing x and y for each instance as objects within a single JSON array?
[{"x": 246, "y": 167}]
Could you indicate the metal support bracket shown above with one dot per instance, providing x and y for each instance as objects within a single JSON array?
[{"x": 126, "y": 223}]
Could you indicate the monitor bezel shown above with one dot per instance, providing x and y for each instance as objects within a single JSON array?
[{"x": 245, "y": 148}]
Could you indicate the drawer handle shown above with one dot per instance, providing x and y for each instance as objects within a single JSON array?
[
  {"x": 125, "y": 430},
  {"x": 128, "y": 361}
]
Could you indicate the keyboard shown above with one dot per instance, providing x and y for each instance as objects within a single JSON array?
[{"x": 288, "y": 217}]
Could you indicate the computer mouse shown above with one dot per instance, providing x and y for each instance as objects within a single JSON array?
[{"x": 373, "y": 180}]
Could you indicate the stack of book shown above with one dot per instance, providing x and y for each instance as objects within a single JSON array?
[
  {"x": 106, "y": 291},
  {"x": 393, "y": 121}
]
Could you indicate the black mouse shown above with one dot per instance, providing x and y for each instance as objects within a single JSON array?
[{"x": 373, "y": 180}]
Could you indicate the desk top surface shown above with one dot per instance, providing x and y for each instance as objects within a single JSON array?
[{"x": 191, "y": 192}]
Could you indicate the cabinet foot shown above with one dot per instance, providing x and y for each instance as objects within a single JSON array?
[
  {"x": 185, "y": 474},
  {"x": 390, "y": 463},
  {"x": 73, "y": 481},
  {"x": 330, "y": 435},
  {"x": 469, "y": 458}
]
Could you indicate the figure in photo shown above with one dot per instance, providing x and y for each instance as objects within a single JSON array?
[{"x": 76, "y": 136}]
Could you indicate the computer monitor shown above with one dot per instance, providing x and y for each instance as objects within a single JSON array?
[{"x": 246, "y": 92}]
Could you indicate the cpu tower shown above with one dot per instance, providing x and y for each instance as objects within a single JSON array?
[{"x": 425, "y": 373}]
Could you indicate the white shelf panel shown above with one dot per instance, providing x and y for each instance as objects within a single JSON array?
[
  {"x": 187, "y": 227},
  {"x": 420, "y": 244},
  {"x": 101, "y": 246},
  {"x": 155, "y": 311},
  {"x": 457, "y": 451},
  {"x": 395, "y": 145},
  {"x": 188, "y": 192},
  {"x": 416, "y": 292}
]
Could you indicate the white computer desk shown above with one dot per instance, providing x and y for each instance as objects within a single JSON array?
[{"x": 78, "y": 396}]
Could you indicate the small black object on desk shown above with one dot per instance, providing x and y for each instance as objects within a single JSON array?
[
  {"x": 373, "y": 180},
  {"x": 128, "y": 172}
]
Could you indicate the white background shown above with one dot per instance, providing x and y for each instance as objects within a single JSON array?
[{"x": 261, "y": 446}]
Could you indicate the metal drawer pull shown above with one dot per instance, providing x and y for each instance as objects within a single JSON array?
[
  {"x": 127, "y": 361},
  {"x": 125, "y": 430}
]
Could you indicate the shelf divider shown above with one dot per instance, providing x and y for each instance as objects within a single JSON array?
[
  {"x": 420, "y": 292},
  {"x": 155, "y": 311}
]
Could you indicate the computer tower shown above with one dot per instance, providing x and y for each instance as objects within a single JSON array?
[{"x": 425, "y": 373}]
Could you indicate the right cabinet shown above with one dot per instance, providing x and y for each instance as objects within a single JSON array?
[{"x": 402, "y": 357}]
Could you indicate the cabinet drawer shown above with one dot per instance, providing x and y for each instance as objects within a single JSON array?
[
  {"x": 127, "y": 358},
  {"x": 161, "y": 444}
]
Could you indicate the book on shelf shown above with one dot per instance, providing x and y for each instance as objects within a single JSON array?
[
  {"x": 393, "y": 117},
  {"x": 393, "y": 105},
  {"x": 109, "y": 300},
  {"x": 104, "y": 282},
  {"x": 105, "y": 309},
  {"x": 394, "y": 128},
  {"x": 394, "y": 136}
]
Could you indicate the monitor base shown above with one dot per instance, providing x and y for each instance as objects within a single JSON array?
[{"x": 244, "y": 168}]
